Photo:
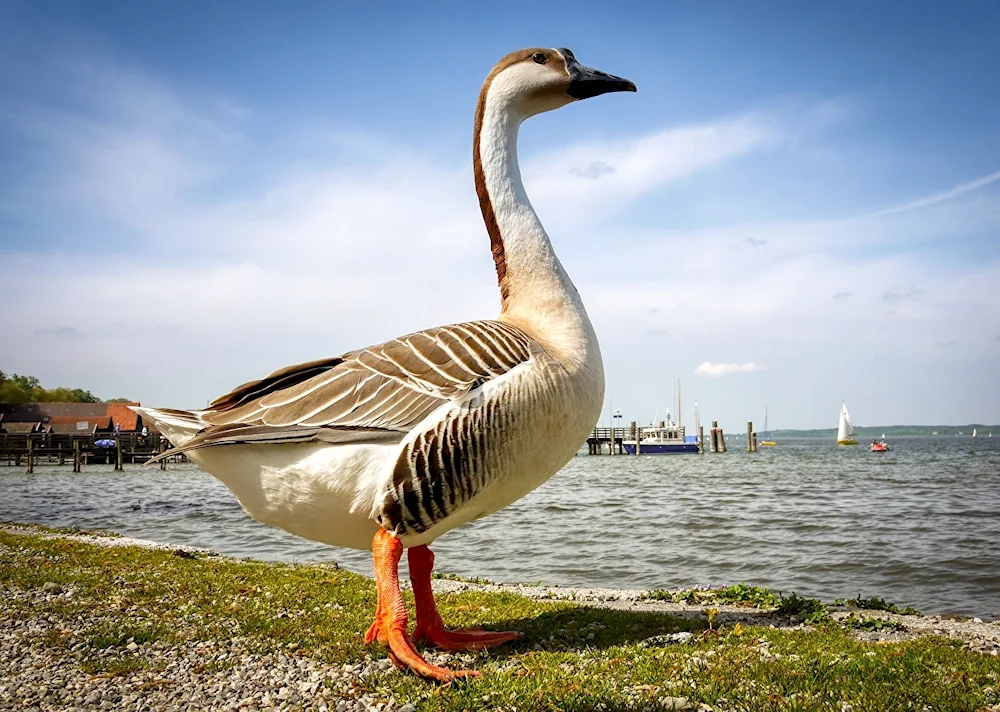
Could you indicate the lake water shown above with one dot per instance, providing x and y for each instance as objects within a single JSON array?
[{"x": 918, "y": 526}]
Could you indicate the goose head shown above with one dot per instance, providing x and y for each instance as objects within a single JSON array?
[{"x": 531, "y": 81}]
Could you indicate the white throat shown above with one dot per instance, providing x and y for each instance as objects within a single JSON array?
[{"x": 539, "y": 293}]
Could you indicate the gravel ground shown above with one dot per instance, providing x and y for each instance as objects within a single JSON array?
[{"x": 44, "y": 663}]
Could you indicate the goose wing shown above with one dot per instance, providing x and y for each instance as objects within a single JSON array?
[{"x": 377, "y": 394}]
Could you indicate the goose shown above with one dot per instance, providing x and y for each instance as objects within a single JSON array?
[{"x": 393, "y": 445}]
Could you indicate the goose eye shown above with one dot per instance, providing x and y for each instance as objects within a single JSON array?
[{"x": 538, "y": 57}]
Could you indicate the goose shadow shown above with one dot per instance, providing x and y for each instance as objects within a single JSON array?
[{"x": 579, "y": 627}]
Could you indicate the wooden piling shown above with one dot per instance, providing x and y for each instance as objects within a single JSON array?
[
  {"x": 755, "y": 442},
  {"x": 76, "y": 455},
  {"x": 118, "y": 454},
  {"x": 701, "y": 440},
  {"x": 31, "y": 455},
  {"x": 713, "y": 435},
  {"x": 721, "y": 438},
  {"x": 751, "y": 441}
]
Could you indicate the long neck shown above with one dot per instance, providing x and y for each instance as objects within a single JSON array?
[{"x": 534, "y": 287}]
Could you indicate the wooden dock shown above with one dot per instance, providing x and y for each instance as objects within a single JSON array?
[
  {"x": 602, "y": 439},
  {"x": 609, "y": 440},
  {"x": 28, "y": 450}
]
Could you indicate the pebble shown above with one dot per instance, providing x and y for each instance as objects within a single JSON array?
[
  {"x": 35, "y": 675},
  {"x": 659, "y": 641}
]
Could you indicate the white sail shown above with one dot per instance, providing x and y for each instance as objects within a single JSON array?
[
  {"x": 973, "y": 432},
  {"x": 846, "y": 429}
]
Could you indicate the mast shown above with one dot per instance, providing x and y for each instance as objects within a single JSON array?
[
  {"x": 673, "y": 396},
  {"x": 680, "y": 420}
]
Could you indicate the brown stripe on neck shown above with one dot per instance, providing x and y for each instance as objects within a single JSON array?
[{"x": 485, "y": 204}]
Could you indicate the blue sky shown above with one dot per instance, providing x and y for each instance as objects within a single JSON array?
[{"x": 800, "y": 205}]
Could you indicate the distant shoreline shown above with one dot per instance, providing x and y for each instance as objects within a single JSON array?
[{"x": 876, "y": 431}]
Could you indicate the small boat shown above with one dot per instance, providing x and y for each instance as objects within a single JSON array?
[
  {"x": 845, "y": 431},
  {"x": 973, "y": 432},
  {"x": 669, "y": 440},
  {"x": 766, "y": 442},
  {"x": 878, "y": 446}
]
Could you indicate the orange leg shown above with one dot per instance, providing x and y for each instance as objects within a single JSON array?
[
  {"x": 430, "y": 629},
  {"x": 390, "y": 623}
]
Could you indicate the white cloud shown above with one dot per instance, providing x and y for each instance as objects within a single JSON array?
[
  {"x": 894, "y": 295},
  {"x": 225, "y": 265},
  {"x": 602, "y": 176},
  {"x": 726, "y": 369},
  {"x": 928, "y": 200}
]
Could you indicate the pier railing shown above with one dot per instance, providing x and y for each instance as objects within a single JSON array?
[
  {"x": 612, "y": 438},
  {"x": 80, "y": 449}
]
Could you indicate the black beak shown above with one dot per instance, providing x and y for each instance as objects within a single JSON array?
[{"x": 585, "y": 82}]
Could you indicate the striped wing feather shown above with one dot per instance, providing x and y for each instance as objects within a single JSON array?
[{"x": 377, "y": 394}]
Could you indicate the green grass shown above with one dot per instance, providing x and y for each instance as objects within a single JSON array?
[
  {"x": 804, "y": 610},
  {"x": 573, "y": 657},
  {"x": 121, "y": 633},
  {"x": 878, "y": 604},
  {"x": 740, "y": 594},
  {"x": 873, "y": 624},
  {"x": 111, "y": 667}
]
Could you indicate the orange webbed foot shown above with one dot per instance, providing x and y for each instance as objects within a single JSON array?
[
  {"x": 404, "y": 656},
  {"x": 390, "y": 624},
  {"x": 463, "y": 638},
  {"x": 430, "y": 629}
]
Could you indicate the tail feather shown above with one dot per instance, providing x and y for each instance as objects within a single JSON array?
[{"x": 177, "y": 426}]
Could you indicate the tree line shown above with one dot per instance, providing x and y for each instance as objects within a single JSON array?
[{"x": 17, "y": 389}]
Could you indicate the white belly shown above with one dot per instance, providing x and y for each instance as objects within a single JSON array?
[{"x": 315, "y": 491}]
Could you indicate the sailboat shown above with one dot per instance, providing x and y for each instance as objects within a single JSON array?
[
  {"x": 973, "y": 432},
  {"x": 767, "y": 433},
  {"x": 845, "y": 431}
]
